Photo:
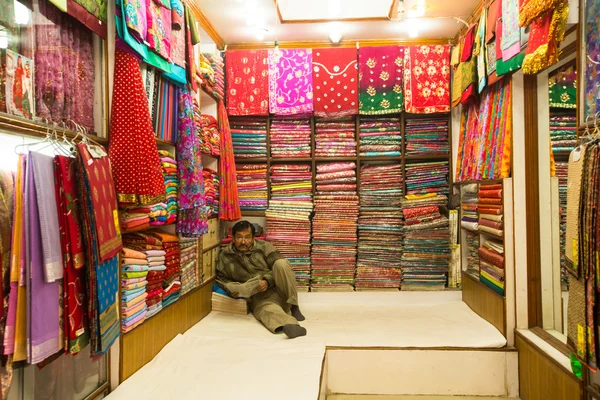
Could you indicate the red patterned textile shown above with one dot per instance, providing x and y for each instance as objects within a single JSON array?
[
  {"x": 335, "y": 77},
  {"x": 247, "y": 82},
  {"x": 427, "y": 79}
]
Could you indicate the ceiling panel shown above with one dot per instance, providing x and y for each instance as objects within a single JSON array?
[
  {"x": 293, "y": 10},
  {"x": 240, "y": 21}
]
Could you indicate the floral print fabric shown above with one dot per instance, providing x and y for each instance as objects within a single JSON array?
[
  {"x": 427, "y": 79},
  {"x": 247, "y": 82},
  {"x": 592, "y": 43},
  {"x": 380, "y": 79},
  {"x": 159, "y": 28},
  {"x": 135, "y": 17},
  {"x": 290, "y": 81}
]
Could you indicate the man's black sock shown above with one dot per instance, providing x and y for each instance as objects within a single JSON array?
[
  {"x": 293, "y": 331},
  {"x": 296, "y": 313}
]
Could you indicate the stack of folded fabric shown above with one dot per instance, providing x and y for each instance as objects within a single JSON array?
[
  {"x": 380, "y": 228},
  {"x": 334, "y": 228},
  {"x": 290, "y": 138},
  {"x": 190, "y": 279},
  {"x": 151, "y": 247},
  {"x": 134, "y": 269},
  {"x": 469, "y": 202},
  {"x": 288, "y": 217},
  {"x": 430, "y": 177},
  {"x": 252, "y": 186},
  {"x": 427, "y": 252},
  {"x": 491, "y": 263},
  {"x": 563, "y": 130},
  {"x": 380, "y": 137},
  {"x": 209, "y": 134},
  {"x": 156, "y": 271},
  {"x": 172, "y": 273},
  {"x": 249, "y": 137},
  {"x": 211, "y": 190},
  {"x": 208, "y": 77},
  {"x": 490, "y": 209},
  {"x": 133, "y": 220},
  {"x": 335, "y": 138},
  {"x": 562, "y": 171},
  {"x": 427, "y": 136},
  {"x": 216, "y": 62},
  {"x": 169, "y": 168},
  {"x": 472, "y": 253}
]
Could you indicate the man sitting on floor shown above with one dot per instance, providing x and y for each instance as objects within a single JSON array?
[{"x": 254, "y": 269}]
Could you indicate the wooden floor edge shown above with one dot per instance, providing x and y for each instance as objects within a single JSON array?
[{"x": 396, "y": 348}]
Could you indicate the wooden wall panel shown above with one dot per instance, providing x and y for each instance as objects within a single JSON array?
[
  {"x": 486, "y": 303},
  {"x": 541, "y": 378},
  {"x": 141, "y": 345}
]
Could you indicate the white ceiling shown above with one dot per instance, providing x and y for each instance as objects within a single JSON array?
[{"x": 239, "y": 21}]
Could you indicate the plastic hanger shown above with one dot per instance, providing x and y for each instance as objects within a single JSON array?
[{"x": 46, "y": 139}]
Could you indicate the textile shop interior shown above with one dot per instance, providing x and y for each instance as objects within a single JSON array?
[{"x": 426, "y": 171}]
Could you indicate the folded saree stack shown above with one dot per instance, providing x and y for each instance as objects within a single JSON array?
[
  {"x": 208, "y": 132},
  {"x": 563, "y": 130},
  {"x": 472, "y": 244},
  {"x": 169, "y": 169},
  {"x": 172, "y": 271},
  {"x": 491, "y": 264},
  {"x": 211, "y": 190},
  {"x": 562, "y": 173},
  {"x": 491, "y": 218},
  {"x": 190, "y": 275},
  {"x": 288, "y": 217},
  {"x": 380, "y": 136},
  {"x": 430, "y": 177},
  {"x": 469, "y": 207},
  {"x": 334, "y": 227},
  {"x": 252, "y": 186},
  {"x": 249, "y": 137},
  {"x": 426, "y": 242},
  {"x": 290, "y": 138},
  {"x": 134, "y": 270},
  {"x": 217, "y": 64},
  {"x": 427, "y": 136},
  {"x": 335, "y": 138},
  {"x": 380, "y": 228}
]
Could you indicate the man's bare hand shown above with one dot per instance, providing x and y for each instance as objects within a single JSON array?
[{"x": 264, "y": 285}]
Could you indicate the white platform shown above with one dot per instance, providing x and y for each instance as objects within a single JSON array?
[
  {"x": 233, "y": 357},
  {"x": 403, "y": 319}
]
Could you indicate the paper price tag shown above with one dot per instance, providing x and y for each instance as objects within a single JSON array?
[
  {"x": 577, "y": 154},
  {"x": 96, "y": 151}
]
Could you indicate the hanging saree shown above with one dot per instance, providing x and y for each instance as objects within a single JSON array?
[
  {"x": 380, "y": 79},
  {"x": 64, "y": 68},
  {"x": 91, "y": 13},
  {"x": 290, "y": 81},
  {"x": 103, "y": 267},
  {"x": 132, "y": 148},
  {"x": 511, "y": 34},
  {"x": 8, "y": 221},
  {"x": 229, "y": 209},
  {"x": 192, "y": 220},
  {"x": 427, "y": 79},
  {"x": 75, "y": 301},
  {"x": 43, "y": 329},
  {"x": 335, "y": 73},
  {"x": 592, "y": 59},
  {"x": 479, "y": 52},
  {"x": 18, "y": 268},
  {"x": 159, "y": 27},
  {"x": 546, "y": 32},
  {"x": 247, "y": 82},
  {"x": 468, "y": 73}
]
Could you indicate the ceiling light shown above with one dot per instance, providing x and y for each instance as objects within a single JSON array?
[
  {"x": 412, "y": 26},
  {"x": 418, "y": 9},
  {"x": 334, "y": 7},
  {"x": 260, "y": 33},
  {"x": 335, "y": 32}
]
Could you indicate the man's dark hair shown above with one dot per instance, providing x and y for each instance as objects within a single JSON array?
[{"x": 243, "y": 226}]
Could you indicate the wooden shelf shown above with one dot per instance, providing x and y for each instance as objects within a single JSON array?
[
  {"x": 284, "y": 160},
  {"x": 164, "y": 142},
  {"x": 215, "y": 98},
  {"x": 253, "y": 213},
  {"x": 214, "y": 246},
  {"x": 562, "y": 154},
  {"x": 482, "y": 182},
  {"x": 200, "y": 286}
]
